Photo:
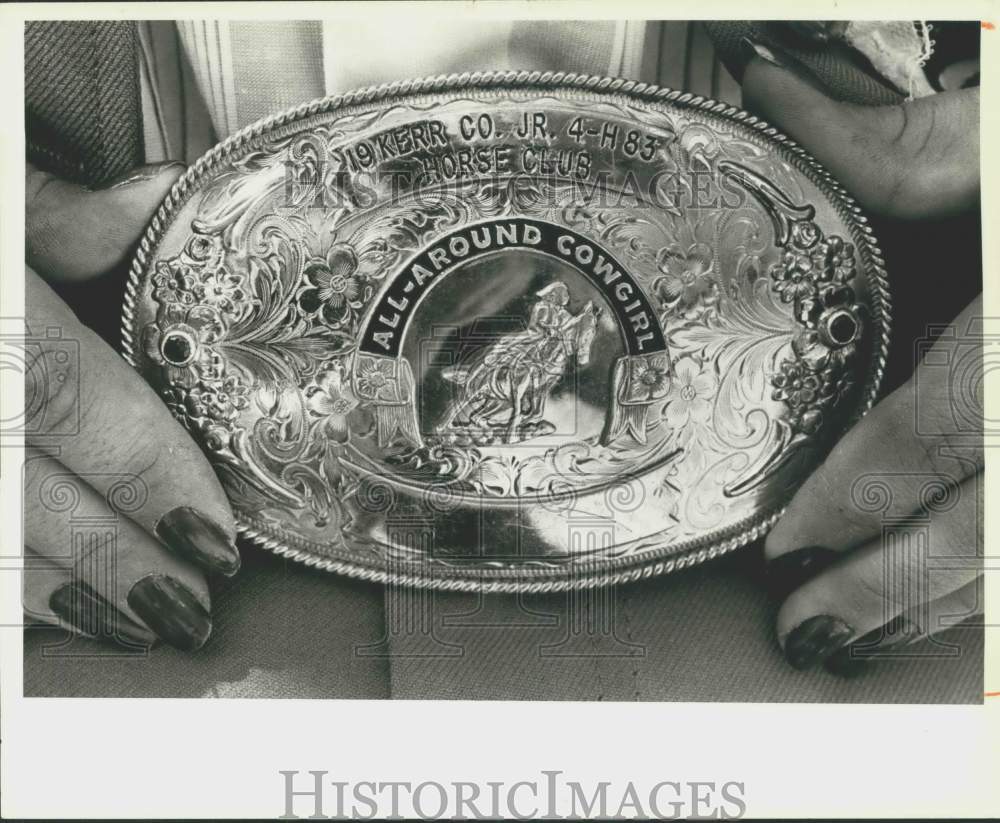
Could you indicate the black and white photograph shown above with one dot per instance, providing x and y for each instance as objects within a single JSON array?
[{"x": 470, "y": 358}]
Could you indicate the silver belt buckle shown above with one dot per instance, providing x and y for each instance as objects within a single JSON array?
[{"x": 509, "y": 331}]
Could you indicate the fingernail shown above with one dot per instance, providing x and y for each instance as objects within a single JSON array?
[
  {"x": 172, "y": 611},
  {"x": 753, "y": 49},
  {"x": 94, "y": 616},
  {"x": 816, "y": 639},
  {"x": 140, "y": 174},
  {"x": 855, "y": 658},
  {"x": 790, "y": 570},
  {"x": 198, "y": 538}
]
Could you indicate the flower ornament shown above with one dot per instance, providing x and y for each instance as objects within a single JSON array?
[
  {"x": 686, "y": 275},
  {"x": 182, "y": 342},
  {"x": 794, "y": 278},
  {"x": 221, "y": 289},
  {"x": 812, "y": 268},
  {"x": 812, "y": 349},
  {"x": 796, "y": 384},
  {"x": 174, "y": 398},
  {"x": 814, "y": 274},
  {"x": 804, "y": 391},
  {"x": 196, "y": 275},
  {"x": 376, "y": 380},
  {"x": 333, "y": 287},
  {"x": 331, "y": 400},
  {"x": 204, "y": 251},
  {"x": 804, "y": 234},
  {"x": 220, "y": 399},
  {"x": 835, "y": 259},
  {"x": 691, "y": 393},
  {"x": 650, "y": 378},
  {"x": 174, "y": 283}
]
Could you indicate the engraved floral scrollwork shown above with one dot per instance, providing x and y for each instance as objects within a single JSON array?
[
  {"x": 691, "y": 396},
  {"x": 236, "y": 335},
  {"x": 814, "y": 275},
  {"x": 331, "y": 400},
  {"x": 333, "y": 291},
  {"x": 686, "y": 280},
  {"x": 726, "y": 311}
]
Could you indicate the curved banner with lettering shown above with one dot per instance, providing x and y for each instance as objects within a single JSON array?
[{"x": 380, "y": 344}]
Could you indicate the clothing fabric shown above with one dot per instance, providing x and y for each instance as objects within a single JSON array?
[
  {"x": 82, "y": 106},
  {"x": 844, "y": 73}
]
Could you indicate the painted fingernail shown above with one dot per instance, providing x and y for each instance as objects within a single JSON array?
[
  {"x": 140, "y": 174},
  {"x": 198, "y": 538},
  {"x": 92, "y": 615},
  {"x": 816, "y": 639},
  {"x": 855, "y": 658},
  {"x": 790, "y": 570},
  {"x": 172, "y": 611},
  {"x": 775, "y": 57}
]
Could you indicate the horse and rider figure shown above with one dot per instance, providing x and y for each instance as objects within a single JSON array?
[{"x": 504, "y": 387}]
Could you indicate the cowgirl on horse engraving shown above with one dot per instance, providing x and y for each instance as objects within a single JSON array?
[{"x": 506, "y": 385}]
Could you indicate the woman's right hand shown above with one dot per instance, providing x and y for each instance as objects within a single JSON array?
[
  {"x": 850, "y": 587},
  {"x": 123, "y": 515}
]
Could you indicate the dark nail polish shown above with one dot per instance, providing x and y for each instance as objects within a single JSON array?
[
  {"x": 94, "y": 616},
  {"x": 172, "y": 611},
  {"x": 816, "y": 639},
  {"x": 790, "y": 570},
  {"x": 855, "y": 658},
  {"x": 195, "y": 537},
  {"x": 140, "y": 174},
  {"x": 845, "y": 664}
]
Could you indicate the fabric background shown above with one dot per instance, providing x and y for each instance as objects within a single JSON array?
[
  {"x": 278, "y": 631},
  {"x": 703, "y": 634},
  {"x": 176, "y": 122}
]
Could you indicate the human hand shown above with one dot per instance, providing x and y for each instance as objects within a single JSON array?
[
  {"x": 838, "y": 558},
  {"x": 123, "y": 515}
]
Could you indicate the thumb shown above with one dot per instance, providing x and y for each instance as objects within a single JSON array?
[
  {"x": 910, "y": 160},
  {"x": 73, "y": 233}
]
